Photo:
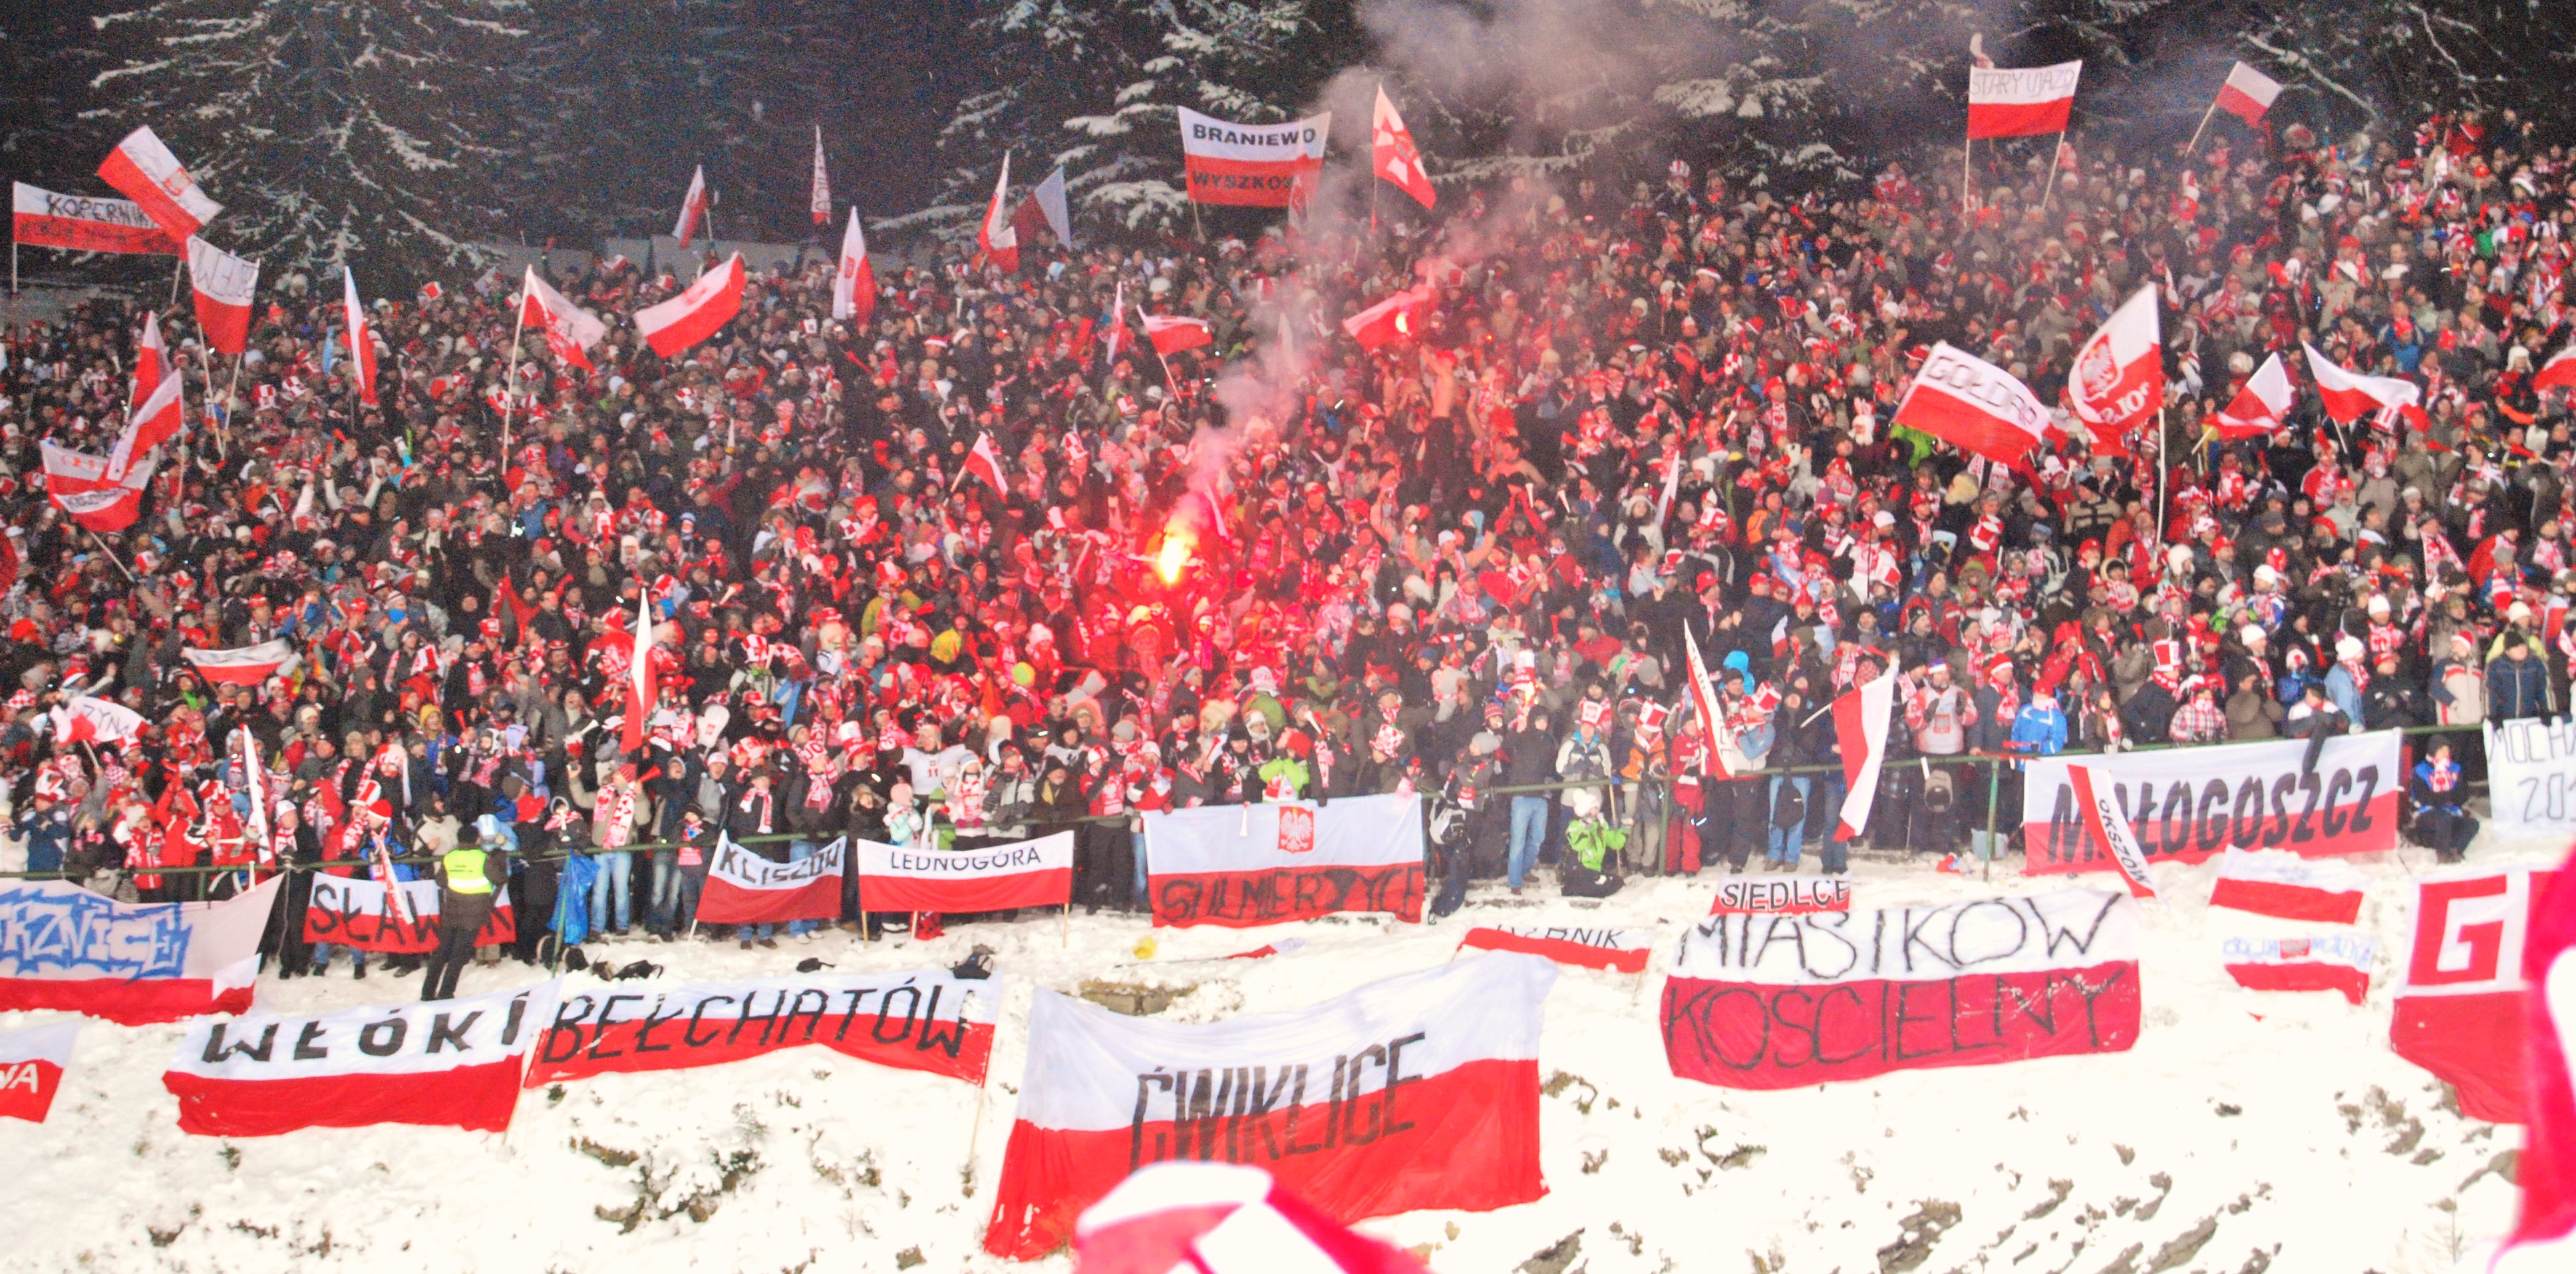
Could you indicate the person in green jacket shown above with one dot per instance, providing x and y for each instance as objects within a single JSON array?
[{"x": 1592, "y": 866}]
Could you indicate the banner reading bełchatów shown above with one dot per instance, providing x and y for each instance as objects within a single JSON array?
[
  {"x": 1028, "y": 873},
  {"x": 361, "y": 913},
  {"x": 64, "y": 947},
  {"x": 924, "y": 1021},
  {"x": 1243, "y": 865},
  {"x": 2186, "y": 805}
]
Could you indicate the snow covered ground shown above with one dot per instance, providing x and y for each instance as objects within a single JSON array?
[{"x": 2245, "y": 1132}]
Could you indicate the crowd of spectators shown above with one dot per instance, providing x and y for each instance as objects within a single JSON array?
[{"x": 1460, "y": 562}]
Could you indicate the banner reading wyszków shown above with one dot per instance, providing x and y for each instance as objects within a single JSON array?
[{"x": 2186, "y": 805}]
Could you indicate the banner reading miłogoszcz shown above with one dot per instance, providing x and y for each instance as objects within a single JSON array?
[
  {"x": 2531, "y": 777},
  {"x": 1420, "y": 1091},
  {"x": 925, "y": 1021},
  {"x": 1252, "y": 165},
  {"x": 360, "y": 913},
  {"x": 2186, "y": 805},
  {"x": 1028, "y": 873},
  {"x": 1243, "y": 865},
  {"x": 2459, "y": 1009},
  {"x": 1783, "y": 1001},
  {"x": 64, "y": 947}
]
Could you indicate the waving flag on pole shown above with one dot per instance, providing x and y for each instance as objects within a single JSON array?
[
  {"x": 570, "y": 330},
  {"x": 640, "y": 691},
  {"x": 1704, "y": 705},
  {"x": 151, "y": 358},
  {"x": 1862, "y": 718},
  {"x": 1170, "y": 334},
  {"x": 996, "y": 239},
  {"x": 854, "y": 286},
  {"x": 822, "y": 193},
  {"x": 2021, "y": 102},
  {"x": 2247, "y": 93},
  {"x": 362, "y": 351},
  {"x": 2544, "y": 1227},
  {"x": 2260, "y": 407},
  {"x": 1045, "y": 207},
  {"x": 2349, "y": 396},
  {"x": 1392, "y": 156},
  {"x": 983, "y": 462},
  {"x": 154, "y": 421},
  {"x": 694, "y": 315},
  {"x": 1973, "y": 405},
  {"x": 693, "y": 207},
  {"x": 2559, "y": 372},
  {"x": 144, "y": 170},
  {"x": 1114, "y": 338},
  {"x": 223, "y": 284},
  {"x": 78, "y": 484},
  {"x": 2119, "y": 375}
]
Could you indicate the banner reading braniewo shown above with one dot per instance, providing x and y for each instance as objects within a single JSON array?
[
  {"x": 1242, "y": 865},
  {"x": 1783, "y": 1001},
  {"x": 64, "y": 947},
  {"x": 1252, "y": 165},
  {"x": 2187, "y": 805},
  {"x": 925, "y": 1021},
  {"x": 1028, "y": 873},
  {"x": 1420, "y": 1091}
]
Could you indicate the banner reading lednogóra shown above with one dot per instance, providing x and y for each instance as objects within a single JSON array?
[
  {"x": 1783, "y": 1001},
  {"x": 1252, "y": 165},
  {"x": 1028, "y": 873},
  {"x": 2186, "y": 805}
]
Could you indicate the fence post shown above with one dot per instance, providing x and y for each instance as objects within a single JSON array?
[{"x": 1994, "y": 799}]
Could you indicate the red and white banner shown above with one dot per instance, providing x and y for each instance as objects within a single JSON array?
[
  {"x": 2327, "y": 962},
  {"x": 2276, "y": 882},
  {"x": 2021, "y": 102},
  {"x": 2188, "y": 805},
  {"x": 244, "y": 665},
  {"x": 65, "y": 948},
  {"x": 223, "y": 284},
  {"x": 2119, "y": 373},
  {"x": 1169, "y": 334},
  {"x": 81, "y": 223},
  {"x": 1389, "y": 319},
  {"x": 1621, "y": 950},
  {"x": 32, "y": 1063},
  {"x": 1781, "y": 895},
  {"x": 1028, "y": 873},
  {"x": 2258, "y": 409},
  {"x": 997, "y": 238},
  {"x": 439, "y": 1063},
  {"x": 744, "y": 888},
  {"x": 2459, "y": 1009},
  {"x": 144, "y": 170},
  {"x": 1768, "y": 1002},
  {"x": 155, "y": 420},
  {"x": 695, "y": 314},
  {"x": 78, "y": 484},
  {"x": 1242, "y": 865},
  {"x": 570, "y": 330},
  {"x": 1252, "y": 165},
  {"x": 1217, "y": 1218},
  {"x": 365, "y": 914},
  {"x": 1045, "y": 209},
  {"x": 1973, "y": 405},
  {"x": 1862, "y": 718},
  {"x": 2531, "y": 777},
  {"x": 2247, "y": 93},
  {"x": 2544, "y": 1228},
  {"x": 2107, "y": 826},
  {"x": 922, "y": 1021},
  {"x": 362, "y": 346},
  {"x": 1392, "y": 155},
  {"x": 2350, "y": 396},
  {"x": 693, "y": 207},
  {"x": 2559, "y": 372},
  {"x": 90, "y": 719},
  {"x": 983, "y": 461},
  {"x": 854, "y": 286},
  {"x": 1420, "y": 1091}
]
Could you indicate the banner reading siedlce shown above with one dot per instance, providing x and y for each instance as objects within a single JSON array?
[{"x": 2186, "y": 805}]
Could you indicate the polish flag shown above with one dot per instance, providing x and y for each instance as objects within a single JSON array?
[
  {"x": 920, "y": 1020},
  {"x": 570, "y": 330},
  {"x": 821, "y": 195},
  {"x": 1458, "y": 1130},
  {"x": 2462, "y": 974},
  {"x": 157, "y": 417},
  {"x": 2262, "y": 405},
  {"x": 693, "y": 207},
  {"x": 2109, "y": 828},
  {"x": 2247, "y": 93},
  {"x": 1046, "y": 209},
  {"x": 1388, "y": 319},
  {"x": 2330, "y": 962},
  {"x": 1027, "y": 873},
  {"x": 362, "y": 351},
  {"x": 1862, "y": 719},
  {"x": 78, "y": 484},
  {"x": 144, "y": 170},
  {"x": 1392, "y": 156},
  {"x": 151, "y": 358},
  {"x": 135, "y": 962},
  {"x": 2023, "y": 102},
  {"x": 1975, "y": 406},
  {"x": 2276, "y": 882},
  {"x": 996, "y": 239},
  {"x": 223, "y": 284},
  {"x": 1619, "y": 950},
  {"x": 31, "y": 1069},
  {"x": 2559, "y": 372},
  {"x": 2119, "y": 375},
  {"x": 1114, "y": 337},
  {"x": 2544, "y": 1228},
  {"x": 1220, "y": 1218},
  {"x": 744, "y": 888},
  {"x": 854, "y": 286},
  {"x": 641, "y": 693},
  {"x": 983, "y": 462},
  {"x": 694, "y": 315},
  {"x": 440, "y": 1063},
  {"x": 1170, "y": 334},
  {"x": 1704, "y": 705},
  {"x": 2349, "y": 396},
  {"x": 244, "y": 665}
]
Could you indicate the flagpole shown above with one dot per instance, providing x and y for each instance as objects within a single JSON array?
[
  {"x": 111, "y": 556},
  {"x": 2162, "y": 471},
  {"x": 2205, "y": 117},
  {"x": 175, "y": 268},
  {"x": 2054, "y": 156},
  {"x": 510, "y": 378},
  {"x": 1967, "y": 179}
]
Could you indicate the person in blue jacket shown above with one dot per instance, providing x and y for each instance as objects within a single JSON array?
[{"x": 2040, "y": 728}]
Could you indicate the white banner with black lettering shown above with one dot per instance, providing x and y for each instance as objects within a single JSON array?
[{"x": 2531, "y": 777}]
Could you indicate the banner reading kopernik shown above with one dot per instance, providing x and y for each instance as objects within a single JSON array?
[
  {"x": 1420, "y": 1091},
  {"x": 1243, "y": 865},
  {"x": 1784, "y": 1001},
  {"x": 84, "y": 223},
  {"x": 64, "y": 947},
  {"x": 924, "y": 1021},
  {"x": 2186, "y": 805}
]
